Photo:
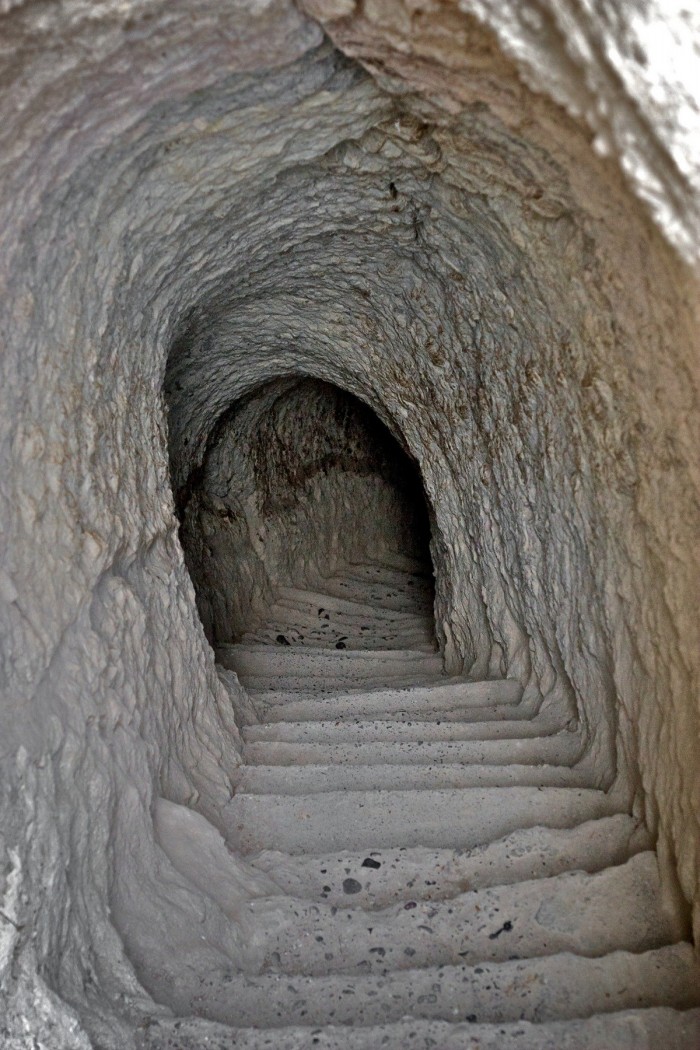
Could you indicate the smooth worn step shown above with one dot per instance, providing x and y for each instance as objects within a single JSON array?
[
  {"x": 290, "y": 624},
  {"x": 399, "y": 598},
  {"x": 343, "y": 611},
  {"x": 302, "y": 662},
  {"x": 288, "y": 611},
  {"x": 616, "y": 909},
  {"x": 554, "y": 987},
  {"x": 447, "y": 699},
  {"x": 293, "y": 686},
  {"x": 328, "y": 685},
  {"x": 291, "y": 613},
  {"x": 368, "y": 576},
  {"x": 400, "y": 566},
  {"x": 339, "y": 639},
  {"x": 301, "y": 780},
  {"x": 381, "y": 877},
  {"x": 331, "y": 636},
  {"x": 353, "y": 615},
  {"x": 657, "y": 1028},
  {"x": 442, "y": 819},
  {"x": 406, "y": 582},
  {"x": 360, "y": 731},
  {"x": 556, "y": 749},
  {"x": 322, "y": 710},
  {"x": 316, "y": 604}
]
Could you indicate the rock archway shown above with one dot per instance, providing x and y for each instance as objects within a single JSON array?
[{"x": 301, "y": 481}]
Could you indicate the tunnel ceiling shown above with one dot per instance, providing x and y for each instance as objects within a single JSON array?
[{"x": 200, "y": 202}]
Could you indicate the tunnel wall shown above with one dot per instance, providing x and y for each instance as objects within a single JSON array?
[{"x": 507, "y": 306}]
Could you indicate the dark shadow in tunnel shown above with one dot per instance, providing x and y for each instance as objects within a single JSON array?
[{"x": 304, "y": 489}]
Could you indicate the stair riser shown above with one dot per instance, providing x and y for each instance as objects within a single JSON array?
[
  {"x": 356, "y": 616},
  {"x": 300, "y": 632},
  {"x": 321, "y": 664},
  {"x": 343, "y": 640},
  {"x": 401, "y": 637},
  {"x": 538, "y": 751},
  {"x": 322, "y": 710},
  {"x": 326, "y": 687},
  {"x": 372, "y": 820},
  {"x": 297, "y": 660},
  {"x": 292, "y": 780},
  {"x": 449, "y": 700},
  {"x": 395, "y": 731},
  {"x": 422, "y": 874},
  {"x": 344, "y": 666},
  {"x": 293, "y": 625},
  {"x": 554, "y": 988},
  {"x": 389, "y": 599},
  {"x": 586, "y": 914},
  {"x": 632, "y": 1030}
]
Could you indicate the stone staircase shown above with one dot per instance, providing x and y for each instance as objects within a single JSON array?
[
  {"x": 368, "y": 607},
  {"x": 450, "y": 874}
]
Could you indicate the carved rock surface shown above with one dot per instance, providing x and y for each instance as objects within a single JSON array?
[{"x": 198, "y": 200}]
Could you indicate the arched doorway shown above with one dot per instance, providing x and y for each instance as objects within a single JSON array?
[{"x": 307, "y": 524}]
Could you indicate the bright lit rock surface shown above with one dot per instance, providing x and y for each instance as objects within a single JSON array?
[{"x": 198, "y": 200}]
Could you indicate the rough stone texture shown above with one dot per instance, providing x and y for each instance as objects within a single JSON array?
[
  {"x": 217, "y": 187},
  {"x": 627, "y": 1030},
  {"x": 629, "y": 70}
]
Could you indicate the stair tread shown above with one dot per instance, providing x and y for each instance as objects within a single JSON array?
[
  {"x": 327, "y": 685},
  {"x": 306, "y": 668},
  {"x": 330, "y": 660},
  {"x": 548, "y": 988},
  {"x": 403, "y": 566},
  {"x": 292, "y": 597},
  {"x": 362, "y": 576},
  {"x": 592, "y": 915},
  {"x": 372, "y": 819},
  {"x": 364, "y": 631},
  {"x": 311, "y": 636},
  {"x": 386, "y": 876},
  {"x": 360, "y": 730},
  {"x": 324, "y": 711},
  {"x": 643, "y": 1029},
  {"x": 554, "y": 749},
  {"x": 288, "y": 610},
  {"x": 299, "y": 780},
  {"x": 399, "y": 596},
  {"x": 452, "y": 696}
]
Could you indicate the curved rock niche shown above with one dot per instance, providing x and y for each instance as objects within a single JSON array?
[{"x": 285, "y": 289}]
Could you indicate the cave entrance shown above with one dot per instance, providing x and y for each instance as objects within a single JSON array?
[{"x": 308, "y": 525}]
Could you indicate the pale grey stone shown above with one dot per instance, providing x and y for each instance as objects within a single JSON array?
[{"x": 206, "y": 211}]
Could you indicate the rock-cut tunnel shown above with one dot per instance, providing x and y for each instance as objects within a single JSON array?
[
  {"x": 300, "y": 483},
  {"x": 348, "y": 560}
]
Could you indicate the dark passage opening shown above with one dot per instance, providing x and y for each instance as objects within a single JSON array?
[{"x": 306, "y": 500}]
